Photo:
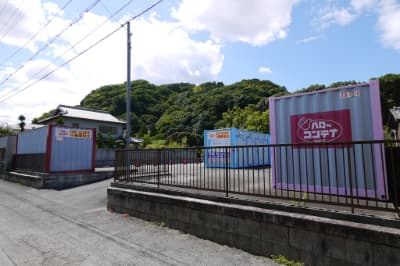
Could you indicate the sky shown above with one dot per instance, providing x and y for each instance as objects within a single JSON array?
[{"x": 48, "y": 54}]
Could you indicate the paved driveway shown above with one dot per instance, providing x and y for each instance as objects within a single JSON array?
[{"x": 72, "y": 227}]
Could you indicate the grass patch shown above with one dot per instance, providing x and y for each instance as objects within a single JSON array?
[
  {"x": 285, "y": 261},
  {"x": 161, "y": 224},
  {"x": 302, "y": 204}
]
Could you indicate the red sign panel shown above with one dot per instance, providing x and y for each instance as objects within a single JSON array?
[{"x": 333, "y": 126}]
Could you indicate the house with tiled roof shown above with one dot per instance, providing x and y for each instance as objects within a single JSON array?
[{"x": 76, "y": 116}]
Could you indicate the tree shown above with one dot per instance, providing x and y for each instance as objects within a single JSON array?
[
  {"x": 5, "y": 131},
  {"x": 342, "y": 83},
  {"x": 109, "y": 142},
  {"x": 313, "y": 87},
  {"x": 171, "y": 112},
  {"x": 119, "y": 144},
  {"x": 60, "y": 121},
  {"x": 258, "y": 121},
  {"x": 390, "y": 94},
  {"x": 21, "y": 124},
  {"x": 43, "y": 116},
  {"x": 100, "y": 140},
  {"x": 246, "y": 118}
]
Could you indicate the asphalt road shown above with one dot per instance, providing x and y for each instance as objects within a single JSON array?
[{"x": 73, "y": 227}]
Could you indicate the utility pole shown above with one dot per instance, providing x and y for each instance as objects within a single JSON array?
[{"x": 128, "y": 89}]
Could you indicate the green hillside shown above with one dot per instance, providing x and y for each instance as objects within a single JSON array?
[{"x": 178, "y": 113}]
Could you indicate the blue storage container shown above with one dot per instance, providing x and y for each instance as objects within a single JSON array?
[
  {"x": 32, "y": 141},
  {"x": 64, "y": 149},
  {"x": 71, "y": 149},
  {"x": 224, "y": 147}
]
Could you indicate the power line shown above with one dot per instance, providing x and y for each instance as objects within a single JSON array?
[
  {"x": 13, "y": 13},
  {"x": 84, "y": 51},
  {"x": 91, "y": 6},
  {"x": 19, "y": 13},
  {"x": 105, "y": 8},
  {"x": 145, "y": 10},
  {"x": 37, "y": 33},
  {"x": 63, "y": 64},
  {"x": 3, "y": 7},
  {"x": 22, "y": 12},
  {"x": 73, "y": 46}
]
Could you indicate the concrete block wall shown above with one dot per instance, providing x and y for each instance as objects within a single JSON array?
[
  {"x": 310, "y": 239},
  {"x": 56, "y": 181}
]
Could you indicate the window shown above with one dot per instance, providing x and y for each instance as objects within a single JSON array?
[
  {"x": 108, "y": 130},
  {"x": 75, "y": 124}
]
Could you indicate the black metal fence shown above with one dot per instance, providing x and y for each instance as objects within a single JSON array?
[
  {"x": 363, "y": 174},
  {"x": 30, "y": 162},
  {"x": 2, "y": 161}
]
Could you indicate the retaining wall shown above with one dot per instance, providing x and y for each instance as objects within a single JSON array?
[
  {"x": 310, "y": 239},
  {"x": 56, "y": 181}
]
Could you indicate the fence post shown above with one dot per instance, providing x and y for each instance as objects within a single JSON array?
[
  {"x": 226, "y": 172},
  {"x": 127, "y": 165},
  {"x": 158, "y": 167},
  {"x": 350, "y": 179},
  {"x": 393, "y": 155}
]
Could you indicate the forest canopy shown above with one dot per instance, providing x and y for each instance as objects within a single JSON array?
[{"x": 179, "y": 113}]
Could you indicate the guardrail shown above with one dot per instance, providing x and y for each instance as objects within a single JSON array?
[{"x": 360, "y": 174}]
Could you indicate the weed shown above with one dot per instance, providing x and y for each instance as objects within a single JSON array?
[
  {"x": 302, "y": 204},
  {"x": 284, "y": 261},
  {"x": 161, "y": 224}
]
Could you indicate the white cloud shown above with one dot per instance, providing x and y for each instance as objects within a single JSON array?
[
  {"x": 360, "y": 5},
  {"x": 387, "y": 12},
  {"x": 162, "y": 52},
  {"x": 166, "y": 53},
  {"x": 389, "y": 23},
  {"x": 341, "y": 16},
  {"x": 52, "y": 8},
  {"x": 256, "y": 22},
  {"x": 265, "y": 70},
  {"x": 331, "y": 15},
  {"x": 18, "y": 25},
  {"x": 309, "y": 39}
]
